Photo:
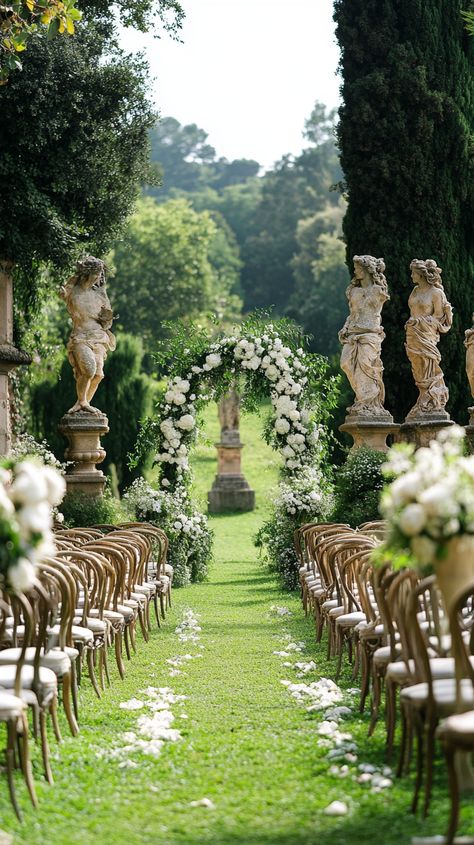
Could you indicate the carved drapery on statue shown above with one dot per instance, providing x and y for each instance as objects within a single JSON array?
[
  {"x": 362, "y": 336},
  {"x": 86, "y": 299},
  {"x": 430, "y": 316}
]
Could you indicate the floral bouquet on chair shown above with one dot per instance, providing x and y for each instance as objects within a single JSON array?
[
  {"x": 429, "y": 500},
  {"x": 28, "y": 492}
]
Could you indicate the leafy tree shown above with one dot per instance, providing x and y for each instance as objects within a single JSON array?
[
  {"x": 296, "y": 188},
  {"x": 125, "y": 395},
  {"x": 319, "y": 303},
  {"x": 188, "y": 162},
  {"x": 405, "y": 135},
  {"x": 173, "y": 262},
  {"x": 74, "y": 142},
  {"x": 19, "y": 21}
]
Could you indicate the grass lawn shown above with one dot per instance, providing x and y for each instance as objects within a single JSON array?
[{"x": 247, "y": 746}]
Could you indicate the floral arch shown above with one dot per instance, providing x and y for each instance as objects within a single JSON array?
[{"x": 275, "y": 366}]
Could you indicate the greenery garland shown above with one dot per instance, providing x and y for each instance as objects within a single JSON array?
[{"x": 275, "y": 365}]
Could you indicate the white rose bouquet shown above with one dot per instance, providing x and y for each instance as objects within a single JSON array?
[
  {"x": 430, "y": 499},
  {"x": 28, "y": 493}
]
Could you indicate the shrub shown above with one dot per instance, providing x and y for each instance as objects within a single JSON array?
[
  {"x": 306, "y": 499},
  {"x": 190, "y": 538},
  {"x": 80, "y": 510},
  {"x": 358, "y": 485}
]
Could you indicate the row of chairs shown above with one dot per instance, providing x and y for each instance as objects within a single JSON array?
[
  {"x": 401, "y": 641},
  {"x": 92, "y": 595}
]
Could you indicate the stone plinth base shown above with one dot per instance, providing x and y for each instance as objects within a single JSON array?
[
  {"x": 371, "y": 432},
  {"x": 230, "y": 493},
  {"x": 83, "y": 431},
  {"x": 422, "y": 430}
]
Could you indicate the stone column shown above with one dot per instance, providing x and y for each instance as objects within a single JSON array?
[
  {"x": 230, "y": 491},
  {"x": 83, "y": 431},
  {"x": 10, "y": 356}
]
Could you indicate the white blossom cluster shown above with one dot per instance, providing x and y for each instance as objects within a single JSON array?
[
  {"x": 432, "y": 496},
  {"x": 171, "y": 504},
  {"x": 28, "y": 492},
  {"x": 303, "y": 495},
  {"x": 285, "y": 371}
]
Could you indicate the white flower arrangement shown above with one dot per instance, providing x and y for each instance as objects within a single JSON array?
[
  {"x": 295, "y": 435},
  {"x": 431, "y": 498},
  {"x": 28, "y": 493}
]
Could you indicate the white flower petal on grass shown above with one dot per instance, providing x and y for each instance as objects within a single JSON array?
[
  {"x": 336, "y": 808},
  {"x": 203, "y": 802},
  {"x": 133, "y": 704}
]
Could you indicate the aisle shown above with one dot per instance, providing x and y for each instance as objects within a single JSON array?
[{"x": 242, "y": 763}]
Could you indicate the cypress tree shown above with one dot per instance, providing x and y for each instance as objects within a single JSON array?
[{"x": 405, "y": 136}]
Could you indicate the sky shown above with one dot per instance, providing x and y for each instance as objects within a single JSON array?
[{"x": 248, "y": 72}]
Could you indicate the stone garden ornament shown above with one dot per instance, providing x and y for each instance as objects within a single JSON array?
[
  {"x": 362, "y": 336},
  {"x": 86, "y": 299},
  {"x": 430, "y": 316}
]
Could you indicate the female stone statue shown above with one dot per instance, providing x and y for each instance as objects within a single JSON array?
[
  {"x": 469, "y": 344},
  {"x": 362, "y": 336},
  {"x": 430, "y": 315},
  {"x": 90, "y": 341}
]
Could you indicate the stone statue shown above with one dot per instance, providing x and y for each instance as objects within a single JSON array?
[
  {"x": 430, "y": 316},
  {"x": 91, "y": 339},
  {"x": 229, "y": 411},
  {"x": 469, "y": 344},
  {"x": 362, "y": 336}
]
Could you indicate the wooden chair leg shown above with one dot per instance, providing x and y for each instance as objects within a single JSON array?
[
  {"x": 10, "y": 764},
  {"x": 26, "y": 764},
  {"x": 45, "y": 748},
  {"x": 53, "y": 709},
  {"x": 155, "y": 605},
  {"x": 453, "y": 793},
  {"x": 118, "y": 654},
  {"x": 73, "y": 726},
  {"x": 90, "y": 666},
  {"x": 419, "y": 730},
  {"x": 430, "y": 753}
]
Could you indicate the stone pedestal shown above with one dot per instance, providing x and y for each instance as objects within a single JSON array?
[
  {"x": 371, "y": 432},
  {"x": 423, "y": 429},
  {"x": 230, "y": 491},
  {"x": 83, "y": 431}
]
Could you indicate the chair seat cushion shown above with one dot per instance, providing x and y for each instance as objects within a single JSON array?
[
  {"x": 47, "y": 678},
  {"x": 350, "y": 620},
  {"x": 79, "y": 634},
  {"x": 97, "y": 626},
  {"x": 55, "y": 659},
  {"x": 11, "y": 707},
  {"x": 383, "y": 654},
  {"x": 458, "y": 728},
  {"x": 444, "y": 693}
]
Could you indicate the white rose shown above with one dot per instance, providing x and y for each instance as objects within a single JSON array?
[
  {"x": 266, "y": 360},
  {"x": 34, "y": 518},
  {"x": 439, "y": 500},
  {"x": 271, "y": 372},
  {"x": 56, "y": 485},
  {"x": 412, "y": 520},
  {"x": 165, "y": 482},
  {"x": 29, "y": 484},
  {"x": 182, "y": 385},
  {"x": 178, "y": 525},
  {"x": 21, "y": 576},
  {"x": 282, "y": 426},
  {"x": 254, "y": 363},
  {"x": 179, "y": 399},
  {"x": 405, "y": 488},
  {"x": 285, "y": 351},
  {"x": 288, "y": 452},
  {"x": 186, "y": 422},
  {"x": 6, "y": 504},
  {"x": 294, "y": 415},
  {"x": 196, "y": 370},
  {"x": 296, "y": 388},
  {"x": 169, "y": 396},
  {"x": 423, "y": 549},
  {"x": 213, "y": 360}
]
